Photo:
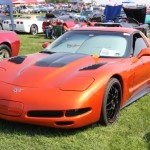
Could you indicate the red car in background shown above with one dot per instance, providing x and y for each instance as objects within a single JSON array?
[
  {"x": 68, "y": 22},
  {"x": 9, "y": 44}
]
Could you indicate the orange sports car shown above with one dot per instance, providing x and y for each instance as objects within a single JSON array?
[{"x": 85, "y": 76}]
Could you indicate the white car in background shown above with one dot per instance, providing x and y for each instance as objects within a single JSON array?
[
  {"x": 28, "y": 24},
  {"x": 26, "y": 10},
  {"x": 2, "y": 18}
]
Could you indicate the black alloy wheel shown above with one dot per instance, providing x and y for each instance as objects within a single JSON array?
[
  {"x": 111, "y": 102},
  {"x": 34, "y": 29}
]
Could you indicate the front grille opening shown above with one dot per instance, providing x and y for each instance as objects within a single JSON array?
[
  {"x": 46, "y": 114},
  {"x": 76, "y": 112},
  {"x": 64, "y": 123}
]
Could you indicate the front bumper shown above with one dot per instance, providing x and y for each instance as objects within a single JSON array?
[{"x": 49, "y": 107}]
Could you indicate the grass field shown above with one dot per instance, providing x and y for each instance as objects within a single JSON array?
[{"x": 130, "y": 132}]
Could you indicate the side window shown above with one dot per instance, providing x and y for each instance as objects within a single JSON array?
[{"x": 138, "y": 44}]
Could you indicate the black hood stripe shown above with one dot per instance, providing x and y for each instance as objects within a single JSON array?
[{"x": 59, "y": 59}]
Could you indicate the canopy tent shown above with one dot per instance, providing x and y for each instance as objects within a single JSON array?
[
  {"x": 19, "y": 2},
  {"x": 9, "y": 4},
  {"x": 27, "y": 1}
]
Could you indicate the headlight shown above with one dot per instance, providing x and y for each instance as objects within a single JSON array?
[
  {"x": 11, "y": 108},
  {"x": 77, "y": 84}
]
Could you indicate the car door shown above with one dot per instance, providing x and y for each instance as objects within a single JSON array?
[{"x": 142, "y": 65}]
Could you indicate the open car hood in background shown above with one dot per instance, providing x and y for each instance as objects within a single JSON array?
[{"x": 138, "y": 13}]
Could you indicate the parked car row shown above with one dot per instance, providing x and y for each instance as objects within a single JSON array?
[
  {"x": 129, "y": 19},
  {"x": 36, "y": 24}
]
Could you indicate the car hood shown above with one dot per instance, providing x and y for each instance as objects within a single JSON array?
[
  {"x": 49, "y": 70},
  {"x": 138, "y": 13}
]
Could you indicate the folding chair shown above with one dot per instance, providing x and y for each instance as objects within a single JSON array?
[{"x": 58, "y": 31}]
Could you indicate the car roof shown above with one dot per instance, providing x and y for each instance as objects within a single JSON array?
[{"x": 110, "y": 29}]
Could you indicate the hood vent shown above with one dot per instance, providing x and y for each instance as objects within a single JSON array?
[
  {"x": 17, "y": 60},
  {"x": 94, "y": 66}
]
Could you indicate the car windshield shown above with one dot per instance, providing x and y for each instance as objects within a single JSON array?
[{"x": 105, "y": 44}]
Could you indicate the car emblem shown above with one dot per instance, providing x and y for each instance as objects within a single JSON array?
[{"x": 17, "y": 90}]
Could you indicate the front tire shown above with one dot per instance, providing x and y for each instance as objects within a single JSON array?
[
  {"x": 34, "y": 29},
  {"x": 111, "y": 102},
  {"x": 5, "y": 51}
]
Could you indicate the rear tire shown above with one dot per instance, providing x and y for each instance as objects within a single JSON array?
[
  {"x": 111, "y": 102},
  {"x": 34, "y": 29},
  {"x": 5, "y": 51}
]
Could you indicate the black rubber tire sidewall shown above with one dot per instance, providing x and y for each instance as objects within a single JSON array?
[
  {"x": 103, "y": 119},
  {"x": 3, "y": 46},
  {"x": 32, "y": 31}
]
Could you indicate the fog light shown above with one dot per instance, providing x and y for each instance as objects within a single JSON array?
[{"x": 76, "y": 112}]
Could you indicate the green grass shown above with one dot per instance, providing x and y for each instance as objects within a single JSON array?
[
  {"x": 130, "y": 132},
  {"x": 31, "y": 43}
]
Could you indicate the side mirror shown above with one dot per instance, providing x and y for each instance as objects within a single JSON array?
[
  {"x": 46, "y": 44},
  {"x": 144, "y": 52}
]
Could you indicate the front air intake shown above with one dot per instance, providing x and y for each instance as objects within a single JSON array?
[
  {"x": 64, "y": 123},
  {"x": 45, "y": 114}
]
